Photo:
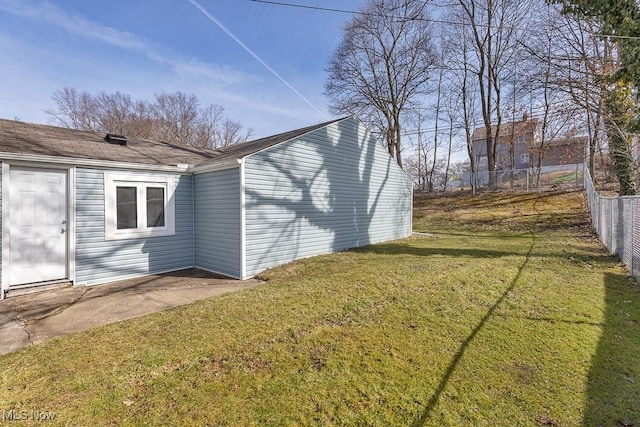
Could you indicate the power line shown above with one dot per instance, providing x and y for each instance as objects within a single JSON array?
[
  {"x": 253, "y": 54},
  {"x": 302, "y": 6},
  {"x": 351, "y": 12},
  {"x": 435, "y": 21}
]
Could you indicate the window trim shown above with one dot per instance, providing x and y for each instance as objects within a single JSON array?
[
  {"x": 141, "y": 183},
  {"x": 524, "y": 158}
]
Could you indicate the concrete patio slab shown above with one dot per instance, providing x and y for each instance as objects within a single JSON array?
[{"x": 33, "y": 318}]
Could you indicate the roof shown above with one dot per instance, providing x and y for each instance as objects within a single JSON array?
[
  {"x": 29, "y": 138},
  {"x": 576, "y": 140},
  {"x": 521, "y": 127},
  {"x": 239, "y": 151}
]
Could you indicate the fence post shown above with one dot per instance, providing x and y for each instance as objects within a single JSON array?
[
  {"x": 610, "y": 221},
  {"x": 475, "y": 182},
  {"x": 632, "y": 233}
]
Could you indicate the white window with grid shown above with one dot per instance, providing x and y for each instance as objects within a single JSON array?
[{"x": 138, "y": 206}]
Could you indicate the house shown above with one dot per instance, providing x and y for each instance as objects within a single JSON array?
[
  {"x": 514, "y": 138},
  {"x": 561, "y": 151},
  {"x": 88, "y": 209},
  {"x": 518, "y": 147}
]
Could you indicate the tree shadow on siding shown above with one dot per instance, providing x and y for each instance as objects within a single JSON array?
[
  {"x": 332, "y": 191},
  {"x": 613, "y": 382}
]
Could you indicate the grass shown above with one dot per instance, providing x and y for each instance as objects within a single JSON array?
[
  {"x": 566, "y": 178},
  {"x": 510, "y": 313}
]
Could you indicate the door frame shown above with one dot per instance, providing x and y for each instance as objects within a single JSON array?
[{"x": 6, "y": 200}]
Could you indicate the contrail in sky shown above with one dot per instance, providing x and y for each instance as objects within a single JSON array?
[{"x": 252, "y": 53}]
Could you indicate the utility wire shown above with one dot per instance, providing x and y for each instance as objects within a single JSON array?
[
  {"x": 302, "y": 6},
  {"x": 436, "y": 21},
  {"x": 254, "y": 55},
  {"x": 351, "y": 12}
]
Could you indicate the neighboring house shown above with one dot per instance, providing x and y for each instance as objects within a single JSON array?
[
  {"x": 561, "y": 151},
  {"x": 514, "y": 137},
  {"x": 521, "y": 139},
  {"x": 88, "y": 209}
]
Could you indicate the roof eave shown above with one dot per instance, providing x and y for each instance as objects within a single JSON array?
[
  {"x": 300, "y": 136},
  {"x": 216, "y": 166},
  {"x": 73, "y": 161}
]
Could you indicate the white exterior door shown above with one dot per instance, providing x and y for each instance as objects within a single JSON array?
[{"x": 37, "y": 225}]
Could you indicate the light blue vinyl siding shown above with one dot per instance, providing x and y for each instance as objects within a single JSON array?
[
  {"x": 98, "y": 260},
  {"x": 217, "y": 216},
  {"x": 332, "y": 189}
]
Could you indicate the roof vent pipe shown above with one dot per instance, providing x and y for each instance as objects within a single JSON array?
[{"x": 112, "y": 138}]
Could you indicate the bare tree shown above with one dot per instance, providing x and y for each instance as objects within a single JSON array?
[
  {"x": 176, "y": 118},
  {"x": 230, "y": 133},
  {"x": 422, "y": 146},
  {"x": 495, "y": 27},
  {"x": 575, "y": 61},
  {"x": 601, "y": 74},
  {"x": 214, "y": 130},
  {"x": 208, "y": 126},
  {"x": 542, "y": 54},
  {"x": 462, "y": 82},
  {"x": 76, "y": 110},
  {"x": 454, "y": 103},
  {"x": 437, "y": 108},
  {"x": 382, "y": 66},
  {"x": 178, "y": 115},
  {"x": 118, "y": 113},
  {"x": 446, "y": 109}
]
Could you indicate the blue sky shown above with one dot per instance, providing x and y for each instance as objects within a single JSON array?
[{"x": 143, "y": 47}]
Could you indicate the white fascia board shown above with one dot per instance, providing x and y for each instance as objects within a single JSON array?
[
  {"x": 71, "y": 161},
  {"x": 4, "y": 286},
  {"x": 71, "y": 224},
  {"x": 243, "y": 223},
  {"x": 300, "y": 136},
  {"x": 217, "y": 166}
]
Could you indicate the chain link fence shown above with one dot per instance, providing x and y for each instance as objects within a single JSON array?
[
  {"x": 615, "y": 220},
  {"x": 545, "y": 178}
]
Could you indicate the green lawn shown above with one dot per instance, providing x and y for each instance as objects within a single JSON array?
[
  {"x": 509, "y": 314},
  {"x": 567, "y": 178}
]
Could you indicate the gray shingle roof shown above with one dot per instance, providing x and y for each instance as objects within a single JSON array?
[
  {"x": 239, "y": 151},
  {"x": 30, "y": 138},
  {"x": 517, "y": 127}
]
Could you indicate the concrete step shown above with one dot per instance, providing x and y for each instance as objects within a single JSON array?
[{"x": 31, "y": 288}]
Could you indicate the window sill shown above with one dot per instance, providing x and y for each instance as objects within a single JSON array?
[{"x": 137, "y": 234}]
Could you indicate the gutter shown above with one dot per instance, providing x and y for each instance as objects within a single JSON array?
[{"x": 16, "y": 158}]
